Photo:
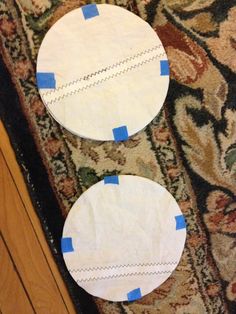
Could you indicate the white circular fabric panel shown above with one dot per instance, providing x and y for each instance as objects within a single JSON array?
[
  {"x": 102, "y": 72},
  {"x": 123, "y": 237}
]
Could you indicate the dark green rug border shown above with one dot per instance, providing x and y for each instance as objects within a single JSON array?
[{"x": 36, "y": 178}]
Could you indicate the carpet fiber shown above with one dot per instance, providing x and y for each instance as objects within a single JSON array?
[{"x": 190, "y": 147}]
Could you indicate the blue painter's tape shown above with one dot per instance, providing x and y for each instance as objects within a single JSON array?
[
  {"x": 66, "y": 245},
  {"x": 46, "y": 80},
  {"x": 111, "y": 180},
  {"x": 165, "y": 70},
  {"x": 120, "y": 133},
  {"x": 89, "y": 11},
  {"x": 180, "y": 222},
  {"x": 134, "y": 295}
]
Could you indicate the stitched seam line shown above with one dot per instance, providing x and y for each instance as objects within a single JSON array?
[
  {"x": 123, "y": 275},
  {"x": 119, "y": 266},
  {"x": 105, "y": 79},
  {"x": 86, "y": 77}
]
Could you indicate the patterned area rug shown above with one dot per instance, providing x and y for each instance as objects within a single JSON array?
[{"x": 190, "y": 147}]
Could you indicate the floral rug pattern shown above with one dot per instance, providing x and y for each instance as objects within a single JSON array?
[{"x": 190, "y": 147}]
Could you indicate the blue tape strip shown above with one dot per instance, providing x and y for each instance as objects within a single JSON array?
[
  {"x": 111, "y": 180},
  {"x": 165, "y": 70},
  {"x": 134, "y": 295},
  {"x": 120, "y": 133},
  {"x": 66, "y": 245},
  {"x": 89, "y": 11},
  {"x": 180, "y": 222},
  {"x": 46, "y": 80}
]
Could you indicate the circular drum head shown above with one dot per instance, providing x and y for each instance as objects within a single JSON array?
[
  {"x": 102, "y": 72},
  {"x": 123, "y": 238}
]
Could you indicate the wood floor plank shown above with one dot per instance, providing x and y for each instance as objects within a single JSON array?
[
  {"x": 10, "y": 159},
  {"x": 13, "y": 298},
  {"x": 25, "y": 249}
]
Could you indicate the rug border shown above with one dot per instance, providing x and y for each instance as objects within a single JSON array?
[{"x": 82, "y": 301}]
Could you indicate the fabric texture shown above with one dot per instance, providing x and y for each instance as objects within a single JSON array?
[
  {"x": 124, "y": 236},
  {"x": 98, "y": 87},
  {"x": 189, "y": 148}
]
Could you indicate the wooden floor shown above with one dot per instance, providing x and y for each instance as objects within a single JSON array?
[{"x": 30, "y": 281}]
